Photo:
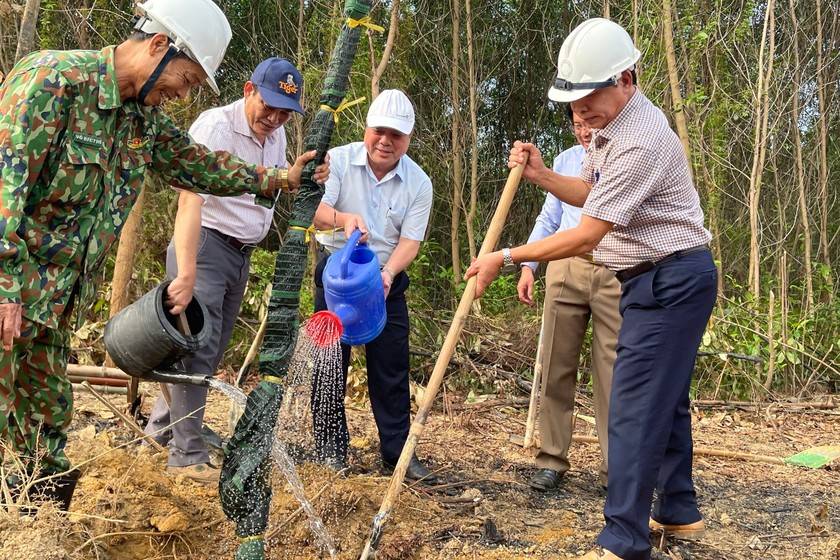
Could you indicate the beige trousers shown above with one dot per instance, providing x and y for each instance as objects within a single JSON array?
[{"x": 576, "y": 290}]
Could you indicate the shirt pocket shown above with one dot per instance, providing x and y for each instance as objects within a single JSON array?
[
  {"x": 393, "y": 223},
  {"x": 79, "y": 175}
]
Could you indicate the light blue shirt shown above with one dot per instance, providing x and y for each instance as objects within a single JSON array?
[
  {"x": 556, "y": 215},
  {"x": 394, "y": 207}
]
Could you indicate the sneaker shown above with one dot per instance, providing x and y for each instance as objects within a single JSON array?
[{"x": 201, "y": 472}]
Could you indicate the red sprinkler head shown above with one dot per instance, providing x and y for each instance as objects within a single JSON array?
[{"x": 323, "y": 329}]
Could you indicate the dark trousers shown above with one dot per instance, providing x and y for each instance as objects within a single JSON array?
[
  {"x": 665, "y": 312},
  {"x": 387, "y": 373}
]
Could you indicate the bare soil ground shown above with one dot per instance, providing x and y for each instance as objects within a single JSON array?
[{"x": 127, "y": 508}]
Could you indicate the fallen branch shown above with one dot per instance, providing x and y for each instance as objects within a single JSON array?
[
  {"x": 698, "y": 450},
  {"x": 129, "y": 422},
  {"x": 829, "y": 404},
  {"x": 490, "y": 404}
]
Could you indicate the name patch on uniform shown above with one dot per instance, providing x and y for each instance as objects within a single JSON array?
[{"x": 83, "y": 138}]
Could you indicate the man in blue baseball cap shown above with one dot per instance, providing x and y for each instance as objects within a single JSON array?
[
  {"x": 209, "y": 255},
  {"x": 279, "y": 84}
]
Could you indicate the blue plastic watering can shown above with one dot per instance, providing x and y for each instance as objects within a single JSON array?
[{"x": 354, "y": 291}]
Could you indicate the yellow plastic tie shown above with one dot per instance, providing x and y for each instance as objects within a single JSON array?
[
  {"x": 251, "y": 538},
  {"x": 273, "y": 379},
  {"x": 343, "y": 105},
  {"x": 365, "y": 22},
  {"x": 309, "y": 230}
]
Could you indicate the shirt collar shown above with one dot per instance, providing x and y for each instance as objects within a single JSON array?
[
  {"x": 616, "y": 126},
  {"x": 109, "y": 93},
  {"x": 241, "y": 126}
]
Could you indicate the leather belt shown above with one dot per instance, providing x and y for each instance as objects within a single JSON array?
[
  {"x": 243, "y": 248},
  {"x": 647, "y": 266}
]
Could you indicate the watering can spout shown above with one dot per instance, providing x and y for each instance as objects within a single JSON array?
[{"x": 178, "y": 378}]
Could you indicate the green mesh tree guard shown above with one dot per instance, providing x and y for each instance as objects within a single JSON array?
[{"x": 244, "y": 488}]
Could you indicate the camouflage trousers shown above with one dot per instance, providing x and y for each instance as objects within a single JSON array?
[{"x": 36, "y": 398}]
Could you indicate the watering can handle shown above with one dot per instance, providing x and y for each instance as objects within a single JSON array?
[{"x": 352, "y": 241}]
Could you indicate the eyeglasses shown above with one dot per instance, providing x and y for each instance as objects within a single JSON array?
[
  {"x": 580, "y": 127},
  {"x": 278, "y": 110}
]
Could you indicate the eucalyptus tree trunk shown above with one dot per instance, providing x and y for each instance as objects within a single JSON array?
[
  {"x": 799, "y": 166},
  {"x": 674, "y": 79},
  {"x": 132, "y": 234},
  {"x": 822, "y": 128},
  {"x": 26, "y": 36},
  {"x": 760, "y": 144},
  {"x": 470, "y": 219},
  {"x": 300, "y": 60},
  {"x": 379, "y": 69},
  {"x": 457, "y": 176}
]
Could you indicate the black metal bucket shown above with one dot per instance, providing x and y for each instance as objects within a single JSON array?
[{"x": 143, "y": 338}]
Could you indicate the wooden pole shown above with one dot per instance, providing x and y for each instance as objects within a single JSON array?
[
  {"x": 448, "y": 348},
  {"x": 533, "y": 404},
  {"x": 96, "y": 371}
]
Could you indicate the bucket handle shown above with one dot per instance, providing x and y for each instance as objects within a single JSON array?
[{"x": 352, "y": 242}]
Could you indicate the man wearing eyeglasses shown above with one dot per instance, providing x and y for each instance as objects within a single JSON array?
[
  {"x": 209, "y": 255},
  {"x": 577, "y": 289}
]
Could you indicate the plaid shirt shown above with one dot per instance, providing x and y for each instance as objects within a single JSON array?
[{"x": 641, "y": 183}]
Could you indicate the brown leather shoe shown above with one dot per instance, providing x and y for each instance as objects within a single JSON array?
[
  {"x": 690, "y": 532},
  {"x": 202, "y": 473},
  {"x": 599, "y": 553}
]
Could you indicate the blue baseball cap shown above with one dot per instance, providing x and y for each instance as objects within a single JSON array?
[{"x": 279, "y": 83}]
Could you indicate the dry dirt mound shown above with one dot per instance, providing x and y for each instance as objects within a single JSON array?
[{"x": 127, "y": 508}]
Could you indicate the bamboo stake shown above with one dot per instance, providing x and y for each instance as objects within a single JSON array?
[
  {"x": 535, "y": 392},
  {"x": 252, "y": 352},
  {"x": 448, "y": 348}
]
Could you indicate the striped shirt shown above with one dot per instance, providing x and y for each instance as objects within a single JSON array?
[
  {"x": 226, "y": 128},
  {"x": 641, "y": 183}
]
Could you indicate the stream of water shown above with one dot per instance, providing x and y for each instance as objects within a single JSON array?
[{"x": 287, "y": 467}]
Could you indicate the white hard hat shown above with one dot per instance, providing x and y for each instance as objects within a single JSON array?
[
  {"x": 593, "y": 56},
  {"x": 391, "y": 109},
  {"x": 199, "y": 28}
]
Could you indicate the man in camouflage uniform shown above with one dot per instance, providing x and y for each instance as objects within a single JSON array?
[{"x": 78, "y": 132}]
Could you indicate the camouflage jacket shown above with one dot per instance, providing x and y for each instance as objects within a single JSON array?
[{"x": 72, "y": 160}]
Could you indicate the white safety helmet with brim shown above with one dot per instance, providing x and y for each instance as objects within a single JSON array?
[
  {"x": 593, "y": 56},
  {"x": 198, "y": 28}
]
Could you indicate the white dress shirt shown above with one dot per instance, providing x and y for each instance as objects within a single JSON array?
[
  {"x": 226, "y": 128},
  {"x": 396, "y": 206}
]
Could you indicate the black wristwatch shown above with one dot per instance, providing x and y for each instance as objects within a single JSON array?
[{"x": 508, "y": 266}]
